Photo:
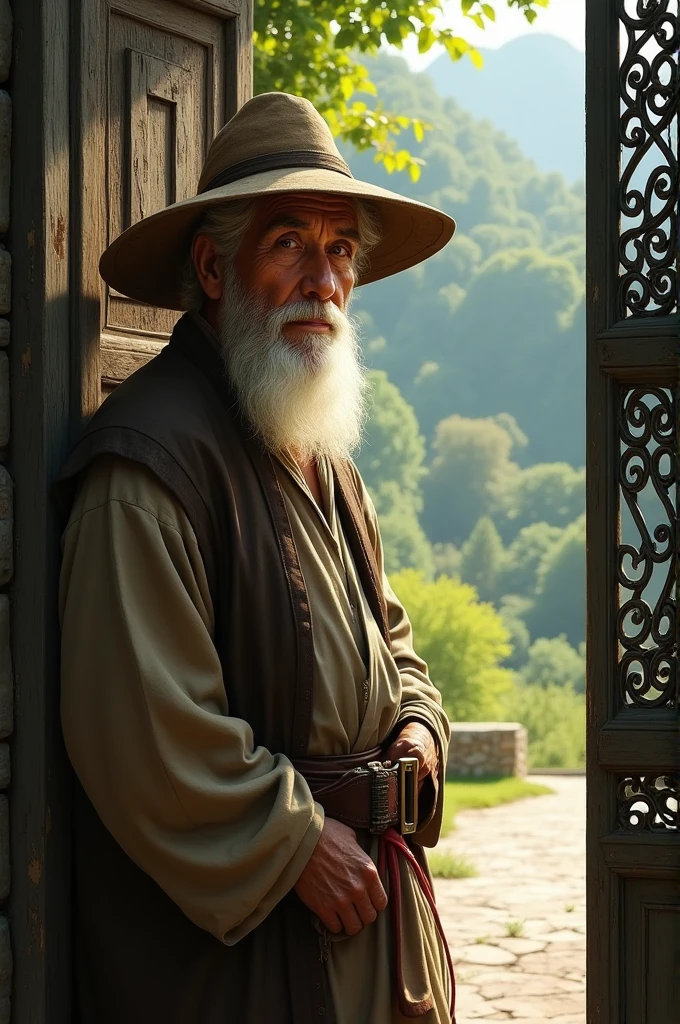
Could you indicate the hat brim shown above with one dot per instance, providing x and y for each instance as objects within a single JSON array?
[{"x": 146, "y": 261}]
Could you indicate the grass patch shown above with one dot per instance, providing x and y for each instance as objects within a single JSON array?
[
  {"x": 514, "y": 929},
  {"x": 448, "y": 865},
  {"x": 465, "y": 794}
]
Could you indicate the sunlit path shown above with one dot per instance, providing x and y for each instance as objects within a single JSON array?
[{"x": 517, "y": 930}]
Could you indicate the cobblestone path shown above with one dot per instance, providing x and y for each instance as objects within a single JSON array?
[{"x": 517, "y": 930}]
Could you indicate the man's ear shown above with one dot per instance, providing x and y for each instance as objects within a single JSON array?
[{"x": 209, "y": 267}]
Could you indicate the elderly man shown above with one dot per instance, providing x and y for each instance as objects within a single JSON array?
[{"x": 257, "y": 745}]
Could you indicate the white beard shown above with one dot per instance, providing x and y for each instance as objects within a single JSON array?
[{"x": 307, "y": 398}]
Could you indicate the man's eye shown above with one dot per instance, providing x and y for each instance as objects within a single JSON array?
[
  {"x": 287, "y": 243},
  {"x": 342, "y": 250}
]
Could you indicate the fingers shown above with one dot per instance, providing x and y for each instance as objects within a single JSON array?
[
  {"x": 376, "y": 893},
  {"x": 331, "y": 921},
  {"x": 351, "y": 921}
]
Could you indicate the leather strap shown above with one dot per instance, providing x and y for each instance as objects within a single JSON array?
[
  {"x": 358, "y": 796},
  {"x": 278, "y": 162}
]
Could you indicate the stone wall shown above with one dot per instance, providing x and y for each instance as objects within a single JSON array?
[
  {"x": 6, "y": 506},
  {"x": 487, "y": 748}
]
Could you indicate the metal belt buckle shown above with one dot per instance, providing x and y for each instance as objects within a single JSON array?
[{"x": 408, "y": 795}]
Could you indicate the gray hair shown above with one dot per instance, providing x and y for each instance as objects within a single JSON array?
[{"x": 227, "y": 224}]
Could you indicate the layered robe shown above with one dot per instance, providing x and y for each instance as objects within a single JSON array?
[{"x": 226, "y": 827}]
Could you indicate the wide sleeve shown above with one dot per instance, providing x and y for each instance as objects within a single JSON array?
[
  {"x": 420, "y": 698},
  {"x": 223, "y": 826}
]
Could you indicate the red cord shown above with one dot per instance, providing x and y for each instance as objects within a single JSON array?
[{"x": 392, "y": 844}]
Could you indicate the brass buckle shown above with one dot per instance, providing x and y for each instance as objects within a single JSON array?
[{"x": 408, "y": 795}]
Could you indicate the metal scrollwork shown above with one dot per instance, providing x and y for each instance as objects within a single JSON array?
[
  {"x": 648, "y": 189},
  {"x": 646, "y": 621},
  {"x": 648, "y": 803}
]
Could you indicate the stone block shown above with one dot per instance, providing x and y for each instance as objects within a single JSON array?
[
  {"x": 487, "y": 748},
  {"x": 5, "y": 971},
  {"x": 4, "y": 333},
  {"x": 6, "y": 527},
  {"x": 5, "y": 281},
  {"x": 5, "y": 39},
  {"x": 5, "y": 766},
  {"x": 6, "y": 675},
  {"x": 5, "y": 158},
  {"x": 4, "y": 400},
  {"x": 4, "y": 848}
]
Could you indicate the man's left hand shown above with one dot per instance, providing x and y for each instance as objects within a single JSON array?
[{"x": 416, "y": 740}]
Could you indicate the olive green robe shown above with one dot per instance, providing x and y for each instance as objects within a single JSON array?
[{"x": 224, "y": 827}]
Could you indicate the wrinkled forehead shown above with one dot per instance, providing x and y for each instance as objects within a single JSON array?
[{"x": 307, "y": 205}]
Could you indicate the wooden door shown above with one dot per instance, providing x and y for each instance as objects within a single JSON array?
[
  {"x": 633, "y": 532},
  {"x": 115, "y": 102},
  {"x": 166, "y": 76}
]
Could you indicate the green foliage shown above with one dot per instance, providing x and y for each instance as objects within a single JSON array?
[
  {"x": 494, "y": 323},
  {"x": 449, "y": 865},
  {"x": 554, "y": 661},
  {"x": 555, "y": 718},
  {"x": 561, "y": 588},
  {"x": 477, "y": 794},
  {"x": 446, "y": 559},
  {"x": 525, "y": 554},
  {"x": 549, "y": 492},
  {"x": 391, "y": 462},
  {"x": 482, "y": 559},
  {"x": 313, "y": 48},
  {"x": 470, "y": 457},
  {"x": 393, "y": 448},
  {"x": 462, "y": 641}
]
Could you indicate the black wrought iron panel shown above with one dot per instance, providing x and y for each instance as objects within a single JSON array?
[
  {"x": 648, "y": 190},
  {"x": 647, "y": 553},
  {"x": 648, "y": 803}
]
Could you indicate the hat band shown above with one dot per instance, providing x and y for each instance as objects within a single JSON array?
[{"x": 278, "y": 162}]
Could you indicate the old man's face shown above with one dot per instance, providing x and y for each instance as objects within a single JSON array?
[
  {"x": 290, "y": 348},
  {"x": 300, "y": 249}
]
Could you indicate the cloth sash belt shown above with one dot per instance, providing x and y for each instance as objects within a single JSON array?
[{"x": 344, "y": 792}]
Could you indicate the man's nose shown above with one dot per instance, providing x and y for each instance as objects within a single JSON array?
[{"x": 318, "y": 280}]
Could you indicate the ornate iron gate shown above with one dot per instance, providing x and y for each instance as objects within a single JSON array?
[{"x": 633, "y": 533}]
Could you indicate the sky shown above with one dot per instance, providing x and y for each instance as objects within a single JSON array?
[{"x": 564, "y": 18}]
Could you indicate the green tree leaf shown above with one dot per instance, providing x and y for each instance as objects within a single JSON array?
[{"x": 314, "y": 48}]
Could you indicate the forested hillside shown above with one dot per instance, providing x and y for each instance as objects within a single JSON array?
[{"x": 475, "y": 448}]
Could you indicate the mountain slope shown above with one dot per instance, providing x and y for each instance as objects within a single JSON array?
[{"x": 533, "y": 89}]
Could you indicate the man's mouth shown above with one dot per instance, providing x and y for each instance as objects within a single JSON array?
[{"x": 310, "y": 325}]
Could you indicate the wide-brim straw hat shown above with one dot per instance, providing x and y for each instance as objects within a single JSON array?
[{"x": 276, "y": 143}]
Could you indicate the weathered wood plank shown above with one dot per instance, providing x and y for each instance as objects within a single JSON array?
[
  {"x": 39, "y": 902},
  {"x": 603, "y": 889},
  {"x": 630, "y": 748},
  {"x": 642, "y": 855}
]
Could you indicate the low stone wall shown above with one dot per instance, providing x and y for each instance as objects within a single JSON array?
[{"x": 487, "y": 748}]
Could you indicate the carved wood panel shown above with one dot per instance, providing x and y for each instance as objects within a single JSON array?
[
  {"x": 159, "y": 78},
  {"x": 165, "y": 105}
]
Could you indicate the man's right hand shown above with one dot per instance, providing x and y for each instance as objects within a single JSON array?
[{"x": 340, "y": 883}]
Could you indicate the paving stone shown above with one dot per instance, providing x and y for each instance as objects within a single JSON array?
[
  {"x": 4, "y": 333},
  {"x": 5, "y": 161},
  {"x": 545, "y": 1007},
  {"x": 483, "y": 954},
  {"x": 566, "y": 936},
  {"x": 6, "y": 527},
  {"x": 520, "y": 946},
  {"x": 5, "y": 39},
  {"x": 529, "y": 878}
]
